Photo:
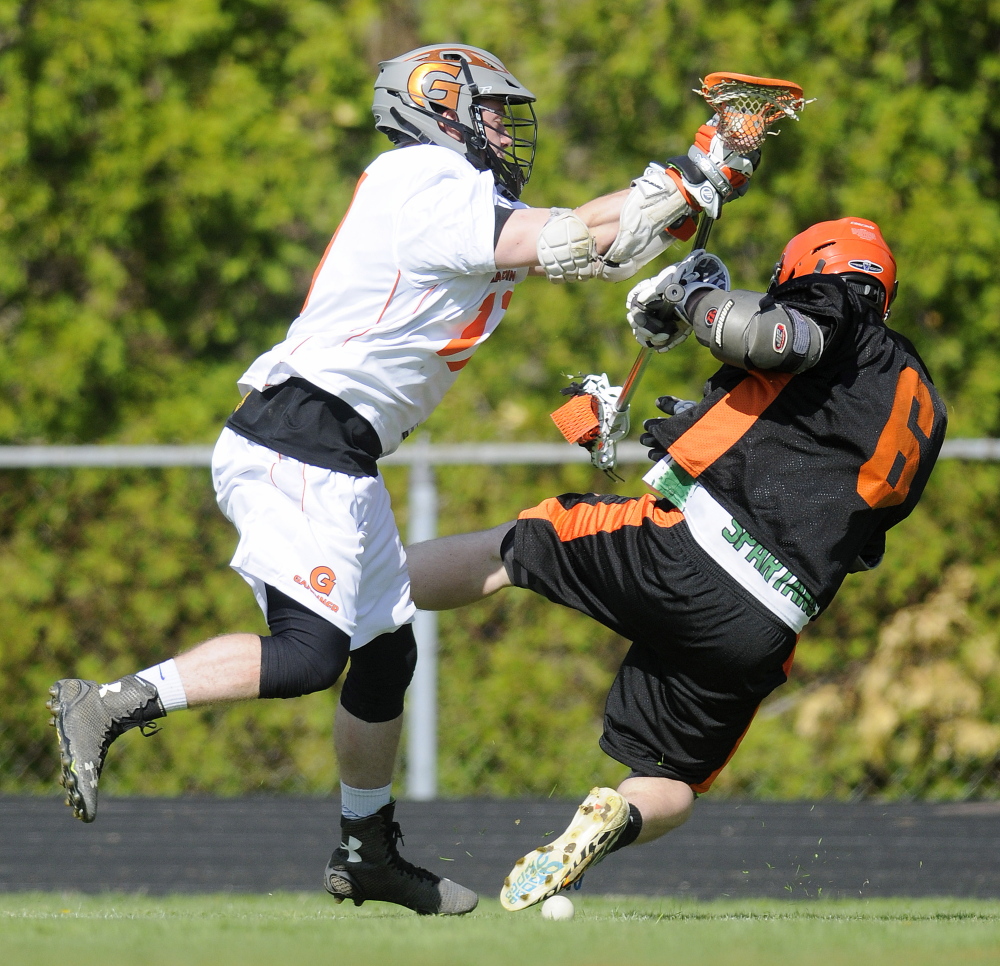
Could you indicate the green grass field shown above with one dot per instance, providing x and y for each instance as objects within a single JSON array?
[{"x": 218, "y": 930}]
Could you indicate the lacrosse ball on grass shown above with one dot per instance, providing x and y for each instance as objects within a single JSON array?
[{"x": 558, "y": 907}]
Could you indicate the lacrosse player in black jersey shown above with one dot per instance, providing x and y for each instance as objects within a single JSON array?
[{"x": 815, "y": 437}]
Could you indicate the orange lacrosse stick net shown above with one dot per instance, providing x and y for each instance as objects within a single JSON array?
[
  {"x": 578, "y": 419},
  {"x": 748, "y": 106}
]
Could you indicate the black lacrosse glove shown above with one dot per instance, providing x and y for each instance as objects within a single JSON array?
[{"x": 672, "y": 406}]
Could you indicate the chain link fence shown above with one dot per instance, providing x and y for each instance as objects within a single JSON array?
[{"x": 116, "y": 556}]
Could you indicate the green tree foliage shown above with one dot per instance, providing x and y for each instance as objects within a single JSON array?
[{"x": 170, "y": 173}]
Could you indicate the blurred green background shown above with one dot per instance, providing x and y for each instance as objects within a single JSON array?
[{"x": 170, "y": 174}]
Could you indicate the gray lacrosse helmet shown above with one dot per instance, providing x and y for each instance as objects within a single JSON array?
[{"x": 412, "y": 90}]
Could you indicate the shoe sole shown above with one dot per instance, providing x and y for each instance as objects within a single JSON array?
[
  {"x": 550, "y": 868},
  {"x": 68, "y": 777},
  {"x": 343, "y": 876},
  {"x": 356, "y": 896}
]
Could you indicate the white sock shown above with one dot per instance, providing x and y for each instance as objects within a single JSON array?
[
  {"x": 167, "y": 680},
  {"x": 362, "y": 802}
]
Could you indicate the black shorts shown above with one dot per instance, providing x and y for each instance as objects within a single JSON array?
[{"x": 705, "y": 653}]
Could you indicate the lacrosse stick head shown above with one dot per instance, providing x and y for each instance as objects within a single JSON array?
[
  {"x": 748, "y": 106},
  {"x": 596, "y": 418}
]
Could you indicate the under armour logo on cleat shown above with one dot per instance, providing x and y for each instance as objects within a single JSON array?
[
  {"x": 113, "y": 688},
  {"x": 351, "y": 847}
]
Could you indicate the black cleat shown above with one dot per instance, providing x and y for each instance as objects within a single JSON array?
[
  {"x": 367, "y": 866},
  {"x": 87, "y": 717}
]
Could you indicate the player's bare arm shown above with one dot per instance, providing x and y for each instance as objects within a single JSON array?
[
  {"x": 517, "y": 246},
  {"x": 615, "y": 235}
]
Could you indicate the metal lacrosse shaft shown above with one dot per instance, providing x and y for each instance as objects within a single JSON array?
[{"x": 642, "y": 360}]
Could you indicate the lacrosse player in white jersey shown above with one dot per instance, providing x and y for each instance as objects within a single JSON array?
[{"x": 417, "y": 276}]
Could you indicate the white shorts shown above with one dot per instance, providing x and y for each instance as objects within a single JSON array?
[{"x": 325, "y": 539}]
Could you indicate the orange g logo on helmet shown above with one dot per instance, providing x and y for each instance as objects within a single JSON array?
[
  {"x": 322, "y": 580},
  {"x": 423, "y": 86}
]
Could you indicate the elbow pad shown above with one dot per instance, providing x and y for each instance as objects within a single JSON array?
[
  {"x": 751, "y": 331},
  {"x": 566, "y": 248}
]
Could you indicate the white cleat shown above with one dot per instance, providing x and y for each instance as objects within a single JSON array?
[{"x": 595, "y": 828}]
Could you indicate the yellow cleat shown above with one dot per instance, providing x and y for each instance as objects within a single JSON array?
[{"x": 595, "y": 828}]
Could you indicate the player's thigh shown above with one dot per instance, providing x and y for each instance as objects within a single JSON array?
[
  {"x": 383, "y": 601},
  {"x": 602, "y": 555},
  {"x": 681, "y": 703},
  {"x": 298, "y": 526}
]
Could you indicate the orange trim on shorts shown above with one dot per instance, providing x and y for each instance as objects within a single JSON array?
[
  {"x": 704, "y": 786},
  {"x": 322, "y": 261},
  {"x": 728, "y": 420},
  {"x": 586, "y": 519}
]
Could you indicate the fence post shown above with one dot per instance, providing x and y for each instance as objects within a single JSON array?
[{"x": 421, "y": 748}]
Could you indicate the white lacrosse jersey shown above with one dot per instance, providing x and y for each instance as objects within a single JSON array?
[{"x": 406, "y": 292}]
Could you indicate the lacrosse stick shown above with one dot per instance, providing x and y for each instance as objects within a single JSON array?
[{"x": 746, "y": 107}]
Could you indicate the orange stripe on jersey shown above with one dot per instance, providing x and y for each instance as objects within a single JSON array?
[
  {"x": 471, "y": 334},
  {"x": 392, "y": 292},
  {"x": 586, "y": 519},
  {"x": 704, "y": 786},
  {"x": 473, "y": 331},
  {"x": 728, "y": 420},
  {"x": 322, "y": 261},
  {"x": 423, "y": 298}
]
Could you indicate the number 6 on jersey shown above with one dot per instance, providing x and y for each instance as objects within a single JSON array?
[{"x": 885, "y": 479}]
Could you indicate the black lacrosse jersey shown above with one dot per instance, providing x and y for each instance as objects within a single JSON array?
[{"x": 815, "y": 468}]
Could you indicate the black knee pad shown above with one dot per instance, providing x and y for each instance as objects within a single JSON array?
[
  {"x": 379, "y": 676},
  {"x": 304, "y": 653}
]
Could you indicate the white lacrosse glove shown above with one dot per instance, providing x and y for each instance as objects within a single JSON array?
[
  {"x": 655, "y": 308},
  {"x": 655, "y": 202},
  {"x": 610, "y": 272},
  {"x": 712, "y": 173}
]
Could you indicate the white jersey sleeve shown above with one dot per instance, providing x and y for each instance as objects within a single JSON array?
[
  {"x": 406, "y": 292},
  {"x": 446, "y": 229}
]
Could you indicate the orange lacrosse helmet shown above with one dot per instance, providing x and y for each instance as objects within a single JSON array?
[{"x": 852, "y": 248}]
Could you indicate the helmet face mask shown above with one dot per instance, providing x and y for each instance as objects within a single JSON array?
[
  {"x": 852, "y": 248},
  {"x": 438, "y": 95},
  {"x": 511, "y": 162}
]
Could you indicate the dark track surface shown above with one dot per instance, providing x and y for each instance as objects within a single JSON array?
[{"x": 777, "y": 850}]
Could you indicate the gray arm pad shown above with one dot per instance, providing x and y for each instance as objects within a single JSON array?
[{"x": 739, "y": 330}]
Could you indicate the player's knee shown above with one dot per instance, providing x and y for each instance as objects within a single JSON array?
[
  {"x": 379, "y": 675},
  {"x": 291, "y": 666},
  {"x": 304, "y": 652}
]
